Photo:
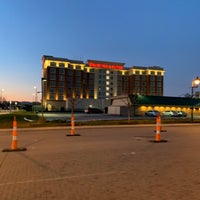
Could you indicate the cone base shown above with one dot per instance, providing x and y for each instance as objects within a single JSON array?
[
  {"x": 161, "y": 131},
  {"x": 17, "y": 149},
  {"x": 158, "y": 141},
  {"x": 73, "y": 134}
]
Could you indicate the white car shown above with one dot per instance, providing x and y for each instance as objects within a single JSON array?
[
  {"x": 152, "y": 113},
  {"x": 182, "y": 114},
  {"x": 170, "y": 113}
]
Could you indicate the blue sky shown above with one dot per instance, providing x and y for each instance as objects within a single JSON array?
[{"x": 164, "y": 33}]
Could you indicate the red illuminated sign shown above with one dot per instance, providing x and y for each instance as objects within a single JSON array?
[{"x": 105, "y": 66}]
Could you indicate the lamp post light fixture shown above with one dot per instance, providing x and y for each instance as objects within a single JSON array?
[{"x": 195, "y": 84}]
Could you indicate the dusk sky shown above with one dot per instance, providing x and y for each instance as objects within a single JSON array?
[{"x": 163, "y": 33}]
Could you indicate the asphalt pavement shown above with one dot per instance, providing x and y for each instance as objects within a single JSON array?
[
  {"x": 110, "y": 163},
  {"x": 81, "y": 116}
]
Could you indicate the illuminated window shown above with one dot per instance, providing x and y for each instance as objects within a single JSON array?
[
  {"x": 52, "y": 83},
  {"x": 52, "y": 70},
  {"x": 137, "y": 72},
  {"x": 61, "y": 71},
  {"x": 119, "y": 73},
  {"x": 107, "y": 77},
  {"x": 61, "y": 84},
  {"x": 143, "y": 78},
  {"x": 152, "y": 84},
  {"x": 159, "y": 78},
  {"x": 107, "y": 83},
  {"x": 61, "y": 90},
  {"x": 70, "y": 66},
  {"x": 107, "y": 88},
  {"x": 137, "y": 83},
  {"x": 152, "y": 78},
  {"x": 61, "y": 77},
  {"x": 107, "y": 94},
  {"x": 78, "y": 72},
  {"x": 107, "y": 72},
  {"x": 52, "y": 96},
  {"x": 144, "y": 83},
  {"x": 137, "y": 77},
  {"x": 61, "y": 65},
  {"x": 159, "y": 84},
  {"x": 159, "y": 73},
  {"x": 53, "y": 64},
  {"x": 70, "y": 72},
  {"x": 60, "y": 96},
  {"x": 52, "y": 77},
  {"x": 78, "y": 67},
  {"x": 143, "y": 72}
]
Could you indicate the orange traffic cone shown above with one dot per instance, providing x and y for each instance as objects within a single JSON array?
[
  {"x": 14, "y": 135},
  {"x": 158, "y": 130},
  {"x": 14, "y": 139},
  {"x": 72, "y": 132}
]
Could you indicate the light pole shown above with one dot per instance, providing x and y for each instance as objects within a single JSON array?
[
  {"x": 42, "y": 82},
  {"x": 195, "y": 84},
  {"x": 2, "y": 90},
  {"x": 35, "y": 99},
  {"x": 35, "y": 88},
  {"x": 73, "y": 100}
]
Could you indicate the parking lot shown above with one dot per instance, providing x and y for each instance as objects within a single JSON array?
[{"x": 103, "y": 163}]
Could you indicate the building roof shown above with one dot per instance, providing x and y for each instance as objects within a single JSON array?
[
  {"x": 149, "y": 67},
  {"x": 164, "y": 100},
  {"x": 46, "y": 57}
]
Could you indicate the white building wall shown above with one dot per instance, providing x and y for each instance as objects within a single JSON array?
[
  {"x": 114, "y": 110},
  {"x": 83, "y": 104}
]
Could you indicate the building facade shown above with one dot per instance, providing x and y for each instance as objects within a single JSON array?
[
  {"x": 94, "y": 81},
  {"x": 139, "y": 104}
]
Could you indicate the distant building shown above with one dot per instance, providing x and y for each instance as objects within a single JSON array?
[
  {"x": 139, "y": 104},
  {"x": 94, "y": 83}
]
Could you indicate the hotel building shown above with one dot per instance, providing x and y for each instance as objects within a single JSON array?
[{"x": 94, "y": 82}]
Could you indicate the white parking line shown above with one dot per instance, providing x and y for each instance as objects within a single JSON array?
[{"x": 58, "y": 178}]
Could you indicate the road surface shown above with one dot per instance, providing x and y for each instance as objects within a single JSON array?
[{"x": 110, "y": 163}]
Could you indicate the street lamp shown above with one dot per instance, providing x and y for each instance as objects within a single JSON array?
[{"x": 195, "y": 84}]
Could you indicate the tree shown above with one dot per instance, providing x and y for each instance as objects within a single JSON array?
[{"x": 187, "y": 95}]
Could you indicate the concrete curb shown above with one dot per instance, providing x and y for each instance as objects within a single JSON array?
[{"x": 102, "y": 126}]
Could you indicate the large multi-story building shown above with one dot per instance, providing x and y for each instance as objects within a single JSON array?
[{"x": 94, "y": 81}]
